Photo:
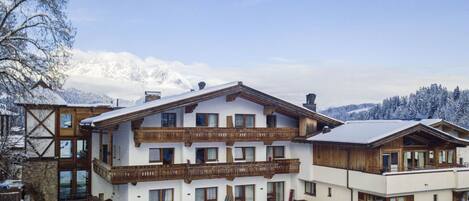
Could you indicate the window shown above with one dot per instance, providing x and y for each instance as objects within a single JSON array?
[
  {"x": 206, "y": 194},
  {"x": 204, "y": 155},
  {"x": 310, "y": 188},
  {"x": 450, "y": 156},
  {"x": 271, "y": 121},
  {"x": 65, "y": 148},
  {"x": 82, "y": 183},
  {"x": 244, "y": 193},
  {"x": 274, "y": 152},
  {"x": 245, "y": 154},
  {"x": 329, "y": 192},
  {"x": 442, "y": 156},
  {"x": 73, "y": 184},
  {"x": 165, "y": 155},
  {"x": 105, "y": 153},
  {"x": 168, "y": 120},
  {"x": 275, "y": 191},
  {"x": 162, "y": 195},
  {"x": 244, "y": 121},
  {"x": 415, "y": 160},
  {"x": 431, "y": 157},
  {"x": 65, "y": 185},
  {"x": 435, "y": 197},
  {"x": 206, "y": 120},
  {"x": 65, "y": 120},
  {"x": 82, "y": 150}
]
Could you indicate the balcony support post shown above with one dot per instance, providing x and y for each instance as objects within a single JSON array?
[{"x": 110, "y": 147}]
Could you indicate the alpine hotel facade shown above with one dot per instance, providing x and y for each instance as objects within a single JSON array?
[{"x": 232, "y": 142}]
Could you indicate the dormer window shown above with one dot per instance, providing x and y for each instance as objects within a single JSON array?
[{"x": 245, "y": 120}]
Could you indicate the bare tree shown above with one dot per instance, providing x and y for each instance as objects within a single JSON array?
[{"x": 35, "y": 36}]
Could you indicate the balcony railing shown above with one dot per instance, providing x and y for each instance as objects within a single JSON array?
[
  {"x": 228, "y": 135},
  {"x": 189, "y": 172}
]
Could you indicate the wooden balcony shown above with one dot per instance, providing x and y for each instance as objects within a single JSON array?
[
  {"x": 189, "y": 172},
  {"x": 227, "y": 135}
]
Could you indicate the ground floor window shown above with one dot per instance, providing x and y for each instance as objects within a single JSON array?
[
  {"x": 275, "y": 191},
  {"x": 244, "y": 193},
  {"x": 65, "y": 185},
  {"x": 368, "y": 197},
  {"x": 73, "y": 184},
  {"x": 162, "y": 195},
  {"x": 310, "y": 188},
  {"x": 206, "y": 194}
]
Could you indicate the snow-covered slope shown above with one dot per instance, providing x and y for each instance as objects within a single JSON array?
[{"x": 123, "y": 75}]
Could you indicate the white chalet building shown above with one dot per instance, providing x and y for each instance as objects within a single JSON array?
[{"x": 234, "y": 143}]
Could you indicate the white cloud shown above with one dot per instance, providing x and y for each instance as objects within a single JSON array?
[{"x": 335, "y": 83}]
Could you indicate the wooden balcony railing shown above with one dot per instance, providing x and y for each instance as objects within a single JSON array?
[
  {"x": 189, "y": 172},
  {"x": 227, "y": 135}
]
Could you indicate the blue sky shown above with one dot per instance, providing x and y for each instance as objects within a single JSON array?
[{"x": 427, "y": 39}]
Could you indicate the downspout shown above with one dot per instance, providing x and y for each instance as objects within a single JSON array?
[{"x": 348, "y": 175}]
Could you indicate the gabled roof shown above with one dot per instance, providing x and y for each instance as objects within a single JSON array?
[
  {"x": 193, "y": 97},
  {"x": 377, "y": 132}
]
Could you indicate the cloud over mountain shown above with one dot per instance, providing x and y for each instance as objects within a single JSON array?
[{"x": 123, "y": 74}]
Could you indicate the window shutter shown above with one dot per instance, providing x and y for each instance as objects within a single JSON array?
[{"x": 229, "y": 121}]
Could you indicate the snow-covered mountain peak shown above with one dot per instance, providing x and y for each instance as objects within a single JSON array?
[{"x": 111, "y": 72}]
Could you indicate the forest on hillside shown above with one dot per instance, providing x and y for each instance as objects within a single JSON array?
[{"x": 434, "y": 101}]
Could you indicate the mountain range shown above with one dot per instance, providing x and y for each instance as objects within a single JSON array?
[{"x": 123, "y": 74}]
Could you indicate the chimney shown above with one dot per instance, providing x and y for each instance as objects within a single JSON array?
[
  {"x": 202, "y": 85},
  {"x": 152, "y": 95},
  {"x": 310, "y": 98},
  {"x": 326, "y": 129}
]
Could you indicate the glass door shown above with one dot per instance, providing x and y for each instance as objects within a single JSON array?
[{"x": 275, "y": 191}]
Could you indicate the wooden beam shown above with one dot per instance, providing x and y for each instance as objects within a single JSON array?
[
  {"x": 136, "y": 124},
  {"x": 232, "y": 97},
  {"x": 269, "y": 109},
  {"x": 190, "y": 108},
  {"x": 110, "y": 147}
]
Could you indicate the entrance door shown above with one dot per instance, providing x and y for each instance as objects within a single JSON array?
[
  {"x": 390, "y": 162},
  {"x": 200, "y": 156},
  {"x": 275, "y": 191}
]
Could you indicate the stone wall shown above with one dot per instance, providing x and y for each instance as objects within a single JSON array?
[{"x": 41, "y": 180}]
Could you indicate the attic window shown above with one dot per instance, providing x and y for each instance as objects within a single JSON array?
[{"x": 65, "y": 120}]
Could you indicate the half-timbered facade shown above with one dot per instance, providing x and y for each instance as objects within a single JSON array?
[
  {"x": 58, "y": 151},
  {"x": 224, "y": 142}
]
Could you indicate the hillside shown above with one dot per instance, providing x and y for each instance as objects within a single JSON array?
[{"x": 434, "y": 101}]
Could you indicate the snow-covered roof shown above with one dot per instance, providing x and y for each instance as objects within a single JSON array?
[
  {"x": 369, "y": 131},
  {"x": 41, "y": 95},
  {"x": 165, "y": 102},
  {"x": 90, "y": 105},
  {"x": 7, "y": 112},
  {"x": 155, "y": 103}
]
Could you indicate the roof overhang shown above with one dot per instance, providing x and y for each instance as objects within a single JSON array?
[
  {"x": 239, "y": 89},
  {"x": 413, "y": 129},
  {"x": 420, "y": 128}
]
